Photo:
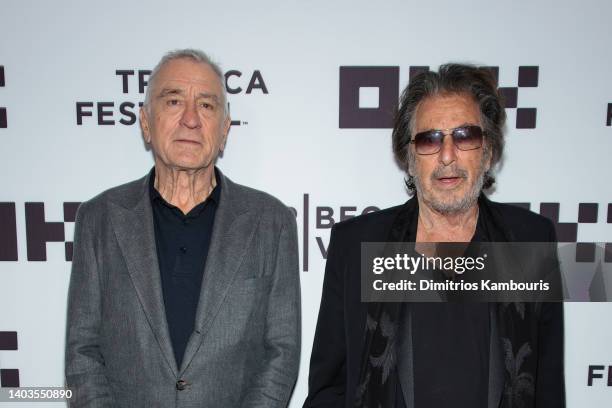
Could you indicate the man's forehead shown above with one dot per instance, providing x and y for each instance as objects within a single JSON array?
[
  {"x": 184, "y": 83},
  {"x": 450, "y": 101},
  {"x": 452, "y": 107},
  {"x": 185, "y": 73}
]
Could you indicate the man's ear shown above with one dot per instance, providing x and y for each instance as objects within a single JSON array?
[
  {"x": 144, "y": 125},
  {"x": 227, "y": 124},
  {"x": 489, "y": 153}
]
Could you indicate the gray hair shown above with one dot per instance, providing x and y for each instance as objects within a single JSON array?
[
  {"x": 196, "y": 56},
  {"x": 477, "y": 82}
]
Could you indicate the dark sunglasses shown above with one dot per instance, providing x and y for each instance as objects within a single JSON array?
[{"x": 464, "y": 137}]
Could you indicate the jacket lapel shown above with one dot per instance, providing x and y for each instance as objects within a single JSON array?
[
  {"x": 374, "y": 387},
  {"x": 497, "y": 231},
  {"x": 405, "y": 364},
  {"x": 496, "y": 360},
  {"x": 132, "y": 221},
  {"x": 233, "y": 229}
]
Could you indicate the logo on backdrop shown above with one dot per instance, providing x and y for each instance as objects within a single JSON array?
[
  {"x": 3, "y": 120},
  {"x": 326, "y": 216},
  {"x": 39, "y": 231},
  {"x": 107, "y": 113},
  {"x": 599, "y": 375},
  {"x": 111, "y": 113},
  {"x": 324, "y": 220},
  {"x": 369, "y": 94},
  {"x": 9, "y": 377}
]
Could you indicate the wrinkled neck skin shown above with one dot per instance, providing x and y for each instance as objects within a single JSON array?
[
  {"x": 434, "y": 226},
  {"x": 184, "y": 188}
]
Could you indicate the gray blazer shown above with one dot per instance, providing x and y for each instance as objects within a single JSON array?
[{"x": 244, "y": 351}]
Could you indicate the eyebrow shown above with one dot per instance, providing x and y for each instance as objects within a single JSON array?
[
  {"x": 458, "y": 126},
  {"x": 177, "y": 91},
  {"x": 170, "y": 91},
  {"x": 208, "y": 96}
]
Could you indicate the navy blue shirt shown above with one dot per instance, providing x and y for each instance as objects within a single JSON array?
[{"x": 182, "y": 248}]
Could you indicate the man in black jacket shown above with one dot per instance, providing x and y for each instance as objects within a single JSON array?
[{"x": 448, "y": 138}]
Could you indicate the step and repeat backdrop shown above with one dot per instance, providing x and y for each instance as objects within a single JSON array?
[{"x": 310, "y": 88}]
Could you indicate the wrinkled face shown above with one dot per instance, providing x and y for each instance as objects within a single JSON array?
[
  {"x": 451, "y": 180},
  {"x": 185, "y": 122}
]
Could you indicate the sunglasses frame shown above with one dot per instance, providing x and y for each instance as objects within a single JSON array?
[{"x": 447, "y": 132}]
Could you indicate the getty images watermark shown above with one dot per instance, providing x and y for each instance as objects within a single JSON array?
[
  {"x": 487, "y": 272},
  {"x": 458, "y": 265}
]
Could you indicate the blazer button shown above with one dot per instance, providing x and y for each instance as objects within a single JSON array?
[{"x": 181, "y": 385}]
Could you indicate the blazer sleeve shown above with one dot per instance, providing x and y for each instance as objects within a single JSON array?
[
  {"x": 327, "y": 378},
  {"x": 279, "y": 370},
  {"x": 550, "y": 382},
  {"x": 84, "y": 363}
]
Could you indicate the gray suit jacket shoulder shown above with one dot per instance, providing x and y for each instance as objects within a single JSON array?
[{"x": 244, "y": 351}]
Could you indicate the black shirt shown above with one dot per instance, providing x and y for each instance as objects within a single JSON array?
[
  {"x": 451, "y": 350},
  {"x": 182, "y": 248}
]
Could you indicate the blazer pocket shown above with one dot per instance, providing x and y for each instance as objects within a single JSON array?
[{"x": 254, "y": 282}]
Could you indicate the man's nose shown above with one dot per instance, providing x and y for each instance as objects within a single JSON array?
[
  {"x": 448, "y": 150},
  {"x": 191, "y": 118}
]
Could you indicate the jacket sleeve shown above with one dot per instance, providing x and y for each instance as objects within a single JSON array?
[
  {"x": 327, "y": 378},
  {"x": 84, "y": 364},
  {"x": 550, "y": 383},
  {"x": 274, "y": 384}
]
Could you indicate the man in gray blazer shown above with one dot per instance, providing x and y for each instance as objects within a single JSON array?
[{"x": 184, "y": 289}]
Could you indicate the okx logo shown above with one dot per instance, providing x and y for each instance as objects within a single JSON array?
[
  {"x": 527, "y": 78},
  {"x": 3, "y": 121},
  {"x": 9, "y": 377},
  {"x": 38, "y": 231},
  {"x": 369, "y": 95}
]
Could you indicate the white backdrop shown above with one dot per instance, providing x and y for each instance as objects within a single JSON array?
[{"x": 288, "y": 141}]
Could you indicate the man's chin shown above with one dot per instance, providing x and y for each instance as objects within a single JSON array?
[
  {"x": 457, "y": 202},
  {"x": 188, "y": 162},
  {"x": 185, "y": 166}
]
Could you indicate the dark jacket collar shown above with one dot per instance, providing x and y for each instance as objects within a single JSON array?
[
  {"x": 490, "y": 222},
  {"x": 136, "y": 194}
]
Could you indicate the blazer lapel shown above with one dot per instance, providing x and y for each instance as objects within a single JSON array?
[
  {"x": 405, "y": 363},
  {"x": 233, "y": 229},
  {"x": 374, "y": 387},
  {"x": 496, "y": 360},
  {"x": 133, "y": 225},
  {"x": 497, "y": 231}
]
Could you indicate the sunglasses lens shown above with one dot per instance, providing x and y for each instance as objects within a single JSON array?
[
  {"x": 467, "y": 137},
  {"x": 428, "y": 142}
]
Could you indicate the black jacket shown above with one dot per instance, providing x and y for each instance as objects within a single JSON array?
[{"x": 531, "y": 333}]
